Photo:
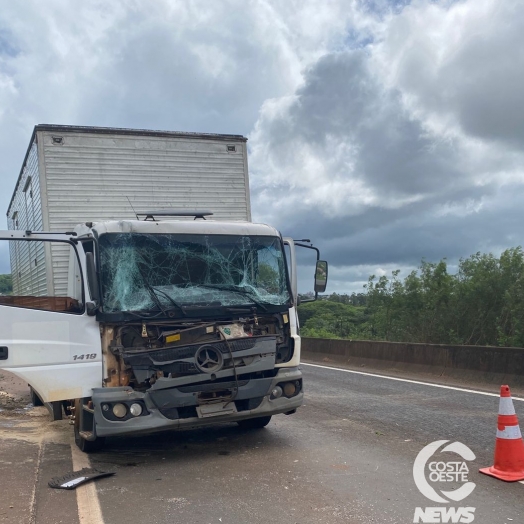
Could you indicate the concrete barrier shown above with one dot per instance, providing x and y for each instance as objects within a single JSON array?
[{"x": 456, "y": 364}]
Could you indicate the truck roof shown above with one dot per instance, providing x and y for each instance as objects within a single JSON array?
[
  {"x": 196, "y": 227},
  {"x": 140, "y": 132}
]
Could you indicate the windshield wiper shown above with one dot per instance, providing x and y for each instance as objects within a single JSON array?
[
  {"x": 153, "y": 293},
  {"x": 155, "y": 289},
  {"x": 235, "y": 289}
]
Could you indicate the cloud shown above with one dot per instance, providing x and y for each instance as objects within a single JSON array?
[
  {"x": 345, "y": 143},
  {"x": 460, "y": 66},
  {"x": 163, "y": 66}
]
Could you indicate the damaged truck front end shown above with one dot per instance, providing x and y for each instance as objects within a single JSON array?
[
  {"x": 163, "y": 375},
  {"x": 197, "y": 327}
]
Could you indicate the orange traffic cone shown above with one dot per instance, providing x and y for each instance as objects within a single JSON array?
[{"x": 509, "y": 446}]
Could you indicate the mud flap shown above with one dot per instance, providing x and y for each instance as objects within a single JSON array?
[{"x": 55, "y": 409}]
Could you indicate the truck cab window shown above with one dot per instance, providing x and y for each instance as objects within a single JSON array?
[{"x": 24, "y": 265}]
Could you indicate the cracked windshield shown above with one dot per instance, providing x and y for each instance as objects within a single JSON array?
[{"x": 154, "y": 271}]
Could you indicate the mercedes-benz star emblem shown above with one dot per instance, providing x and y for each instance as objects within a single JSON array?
[{"x": 209, "y": 359}]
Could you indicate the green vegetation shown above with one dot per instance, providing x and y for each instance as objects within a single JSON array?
[
  {"x": 6, "y": 286},
  {"x": 332, "y": 319},
  {"x": 482, "y": 304}
]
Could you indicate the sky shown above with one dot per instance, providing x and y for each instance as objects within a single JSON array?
[{"x": 384, "y": 131}]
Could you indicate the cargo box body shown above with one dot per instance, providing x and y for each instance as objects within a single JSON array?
[{"x": 72, "y": 175}]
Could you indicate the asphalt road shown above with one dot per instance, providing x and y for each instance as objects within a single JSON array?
[{"x": 346, "y": 456}]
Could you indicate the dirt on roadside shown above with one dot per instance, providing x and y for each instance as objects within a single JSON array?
[
  {"x": 33, "y": 449},
  {"x": 14, "y": 395}
]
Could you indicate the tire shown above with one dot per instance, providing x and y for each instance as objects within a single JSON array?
[
  {"x": 35, "y": 399},
  {"x": 87, "y": 446},
  {"x": 254, "y": 423}
]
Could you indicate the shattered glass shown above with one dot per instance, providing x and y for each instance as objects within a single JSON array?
[{"x": 165, "y": 271}]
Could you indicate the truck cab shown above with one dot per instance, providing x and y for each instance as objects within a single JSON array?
[{"x": 166, "y": 324}]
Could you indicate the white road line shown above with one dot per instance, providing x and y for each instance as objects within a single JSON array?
[
  {"x": 89, "y": 511},
  {"x": 463, "y": 390},
  {"x": 32, "y": 518}
]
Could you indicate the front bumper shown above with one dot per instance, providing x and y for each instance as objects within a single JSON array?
[{"x": 172, "y": 410}]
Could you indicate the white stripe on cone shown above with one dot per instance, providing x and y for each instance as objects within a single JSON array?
[
  {"x": 506, "y": 406},
  {"x": 509, "y": 433}
]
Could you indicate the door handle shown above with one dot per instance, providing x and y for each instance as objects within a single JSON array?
[{"x": 4, "y": 351}]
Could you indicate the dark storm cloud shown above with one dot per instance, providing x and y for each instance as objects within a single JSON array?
[
  {"x": 343, "y": 101},
  {"x": 485, "y": 82},
  {"x": 405, "y": 241},
  {"x": 304, "y": 221}
]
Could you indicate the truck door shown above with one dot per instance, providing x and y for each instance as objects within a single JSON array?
[
  {"x": 46, "y": 336},
  {"x": 291, "y": 265}
]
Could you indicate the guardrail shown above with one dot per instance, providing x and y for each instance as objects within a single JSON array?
[{"x": 462, "y": 364}]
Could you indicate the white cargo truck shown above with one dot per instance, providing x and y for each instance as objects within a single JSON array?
[{"x": 135, "y": 309}]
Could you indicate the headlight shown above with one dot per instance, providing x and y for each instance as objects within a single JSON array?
[
  {"x": 135, "y": 410},
  {"x": 119, "y": 410},
  {"x": 290, "y": 389},
  {"x": 276, "y": 392}
]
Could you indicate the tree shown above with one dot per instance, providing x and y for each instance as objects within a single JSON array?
[
  {"x": 329, "y": 319},
  {"x": 6, "y": 285},
  {"x": 482, "y": 304}
]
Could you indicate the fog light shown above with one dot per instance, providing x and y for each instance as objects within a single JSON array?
[
  {"x": 119, "y": 410},
  {"x": 290, "y": 389},
  {"x": 105, "y": 407},
  {"x": 276, "y": 392},
  {"x": 135, "y": 409}
]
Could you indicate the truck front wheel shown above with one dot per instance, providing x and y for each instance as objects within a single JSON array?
[
  {"x": 254, "y": 423},
  {"x": 84, "y": 423}
]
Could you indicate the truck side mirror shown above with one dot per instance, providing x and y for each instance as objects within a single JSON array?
[
  {"x": 92, "y": 277},
  {"x": 321, "y": 276}
]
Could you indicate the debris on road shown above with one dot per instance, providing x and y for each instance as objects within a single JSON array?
[{"x": 77, "y": 478}]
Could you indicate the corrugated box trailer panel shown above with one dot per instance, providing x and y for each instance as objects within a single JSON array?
[
  {"x": 95, "y": 175},
  {"x": 28, "y": 261}
]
